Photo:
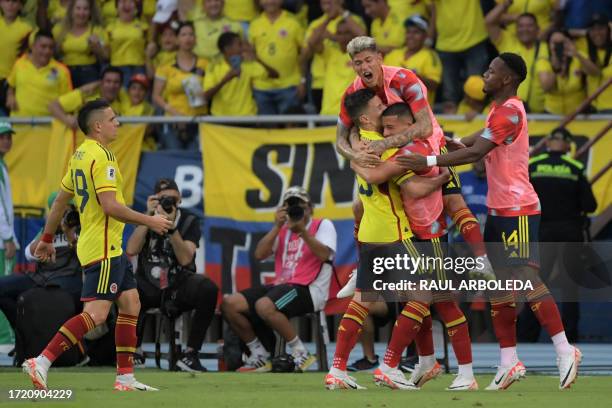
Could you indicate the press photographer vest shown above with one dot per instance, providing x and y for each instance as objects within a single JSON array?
[
  {"x": 294, "y": 262},
  {"x": 66, "y": 262}
]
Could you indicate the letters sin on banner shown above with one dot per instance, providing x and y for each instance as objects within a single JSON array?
[{"x": 40, "y": 155}]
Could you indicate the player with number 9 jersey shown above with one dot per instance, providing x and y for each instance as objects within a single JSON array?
[{"x": 93, "y": 169}]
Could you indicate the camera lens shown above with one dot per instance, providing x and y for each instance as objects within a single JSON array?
[
  {"x": 167, "y": 203},
  {"x": 295, "y": 212}
]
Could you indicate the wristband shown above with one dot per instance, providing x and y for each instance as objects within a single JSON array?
[
  {"x": 47, "y": 238},
  {"x": 432, "y": 161}
]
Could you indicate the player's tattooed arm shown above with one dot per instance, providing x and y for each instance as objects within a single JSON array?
[
  {"x": 421, "y": 129},
  {"x": 343, "y": 146}
]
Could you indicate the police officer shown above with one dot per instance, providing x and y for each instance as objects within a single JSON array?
[{"x": 566, "y": 197}]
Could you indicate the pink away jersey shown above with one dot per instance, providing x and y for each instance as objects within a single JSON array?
[{"x": 510, "y": 191}]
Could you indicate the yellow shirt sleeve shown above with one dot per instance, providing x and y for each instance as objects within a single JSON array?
[
  {"x": 104, "y": 174},
  {"x": 212, "y": 77},
  {"x": 254, "y": 69},
  {"x": 66, "y": 184},
  {"x": 161, "y": 73},
  {"x": 433, "y": 67},
  {"x": 71, "y": 101}
]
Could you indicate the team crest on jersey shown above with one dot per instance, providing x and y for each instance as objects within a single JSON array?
[
  {"x": 53, "y": 75},
  {"x": 110, "y": 173},
  {"x": 283, "y": 33},
  {"x": 113, "y": 288}
]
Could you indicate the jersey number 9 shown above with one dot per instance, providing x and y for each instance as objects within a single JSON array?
[{"x": 80, "y": 186}]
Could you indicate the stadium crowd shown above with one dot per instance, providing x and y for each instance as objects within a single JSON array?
[{"x": 197, "y": 57}]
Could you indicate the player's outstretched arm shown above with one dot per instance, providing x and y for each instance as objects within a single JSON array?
[
  {"x": 123, "y": 213},
  {"x": 44, "y": 249}
]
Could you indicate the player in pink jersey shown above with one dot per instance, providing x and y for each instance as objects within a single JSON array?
[
  {"x": 395, "y": 85},
  {"x": 511, "y": 231}
]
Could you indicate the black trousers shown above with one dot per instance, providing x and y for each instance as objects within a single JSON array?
[
  {"x": 528, "y": 327},
  {"x": 195, "y": 292}
]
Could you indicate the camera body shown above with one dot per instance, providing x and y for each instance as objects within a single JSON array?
[
  {"x": 295, "y": 211},
  {"x": 168, "y": 203},
  {"x": 71, "y": 217}
]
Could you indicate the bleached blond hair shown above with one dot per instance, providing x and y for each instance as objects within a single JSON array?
[{"x": 360, "y": 44}]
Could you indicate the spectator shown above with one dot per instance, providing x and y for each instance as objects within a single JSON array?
[
  {"x": 277, "y": 38},
  {"x": 14, "y": 31},
  {"x": 544, "y": 12},
  {"x": 319, "y": 35},
  {"x": 417, "y": 57},
  {"x": 166, "y": 271},
  {"x": 136, "y": 104},
  {"x": 65, "y": 272},
  {"x": 599, "y": 49},
  {"x": 303, "y": 249},
  {"x": 65, "y": 107},
  {"x": 386, "y": 26},
  {"x": 167, "y": 50},
  {"x": 177, "y": 90},
  {"x": 566, "y": 198},
  {"x": 81, "y": 41},
  {"x": 128, "y": 37},
  {"x": 231, "y": 79},
  {"x": 461, "y": 43},
  {"x": 37, "y": 78},
  {"x": 56, "y": 11},
  {"x": 209, "y": 24},
  {"x": 243, "y": 11},
  {"x": 407, "y": 8},
  {"x": 339, "y": 71},
  {"x": 562, "y": 75},
  {"x": 8, "y": 247},
  {"x": 524, "y": 42},
  {"x": 474, "y": 99}
]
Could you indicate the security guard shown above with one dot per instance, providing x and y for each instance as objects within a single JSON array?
[{"x": 566, "y": 197}]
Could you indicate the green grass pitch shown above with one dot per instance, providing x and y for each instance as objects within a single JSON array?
[{"x": 93, "y": 388}]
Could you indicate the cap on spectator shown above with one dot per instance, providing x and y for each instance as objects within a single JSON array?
[
  {"x": 6, "y": 127},
  {"x": 561, "y": 133},
  {"x": 140, "y": 79},
  {"x": 473, "y": 87},
  {"x": 416, "y": 20},
  {"x": 165, "y": 184},
  {"x": 164, "y": 10},
  {"x": 298, "y": 192},
  {"x": 599, "y": 19}
]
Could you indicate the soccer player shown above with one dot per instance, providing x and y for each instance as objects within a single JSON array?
[
  {"x": 393, "y": 85},
  {"x": 427, "y": 222},
  {"x": 514, "y": 217},
  {"x": 384, "y": 233},
  {"x": 94, "y": 180}
]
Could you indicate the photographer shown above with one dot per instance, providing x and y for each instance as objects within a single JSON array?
[
  {"x": 303, "y": 248},
  {"x": 64, "y": 271},
  {"x": 166, "y": 270}
]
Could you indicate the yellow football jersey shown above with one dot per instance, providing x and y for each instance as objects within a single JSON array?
[
  {"x": 384, "y": 220},
  {"x": 93, "y": 169}
]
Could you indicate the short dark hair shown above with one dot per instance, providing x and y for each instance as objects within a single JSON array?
[
  {"x": 530, "y": 15},
  {"x": 87, "y": 110},
  {"x": 183, "y": 24},
  {"x": 43, "y": 34},
  {"x": 114, "y": 70},
  {"x": 356, "y": 102},
  {"x": 399, "y": 109},
  {"x": 226, "y": 39},
  {"x": 516, "y": 64}
]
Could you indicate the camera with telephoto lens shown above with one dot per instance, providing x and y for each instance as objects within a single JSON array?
[
  {"x": 168, "y": 203},
  {"x": 294, "y": 210},
  {"x": 71, "y": 217}
]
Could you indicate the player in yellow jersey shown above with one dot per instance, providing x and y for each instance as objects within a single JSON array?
[
  {"x": 384, "y": 236},
  {"x": 95, "y": 182}
]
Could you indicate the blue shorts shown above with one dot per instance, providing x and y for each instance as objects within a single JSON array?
[
  {"x": 105, "y": 280},
  {"x": 513, "y": 241}
]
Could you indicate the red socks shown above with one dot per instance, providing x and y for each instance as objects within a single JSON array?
[
  {"x": 406, "y": 328},
  {"x": 348, "y": 333},
  {"x": 457, "y": 329},
  {"x": 470, "y": 230},
  {"x": 125, "y": 343},
  {"x": 68, "y": 335},
  {"x": 424, "y": 338},
  {"x": 503, "y": 314},
  {"x": 545, "y": 309}
]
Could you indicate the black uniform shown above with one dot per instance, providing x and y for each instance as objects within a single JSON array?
[{"x": 565, "y": 196}]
